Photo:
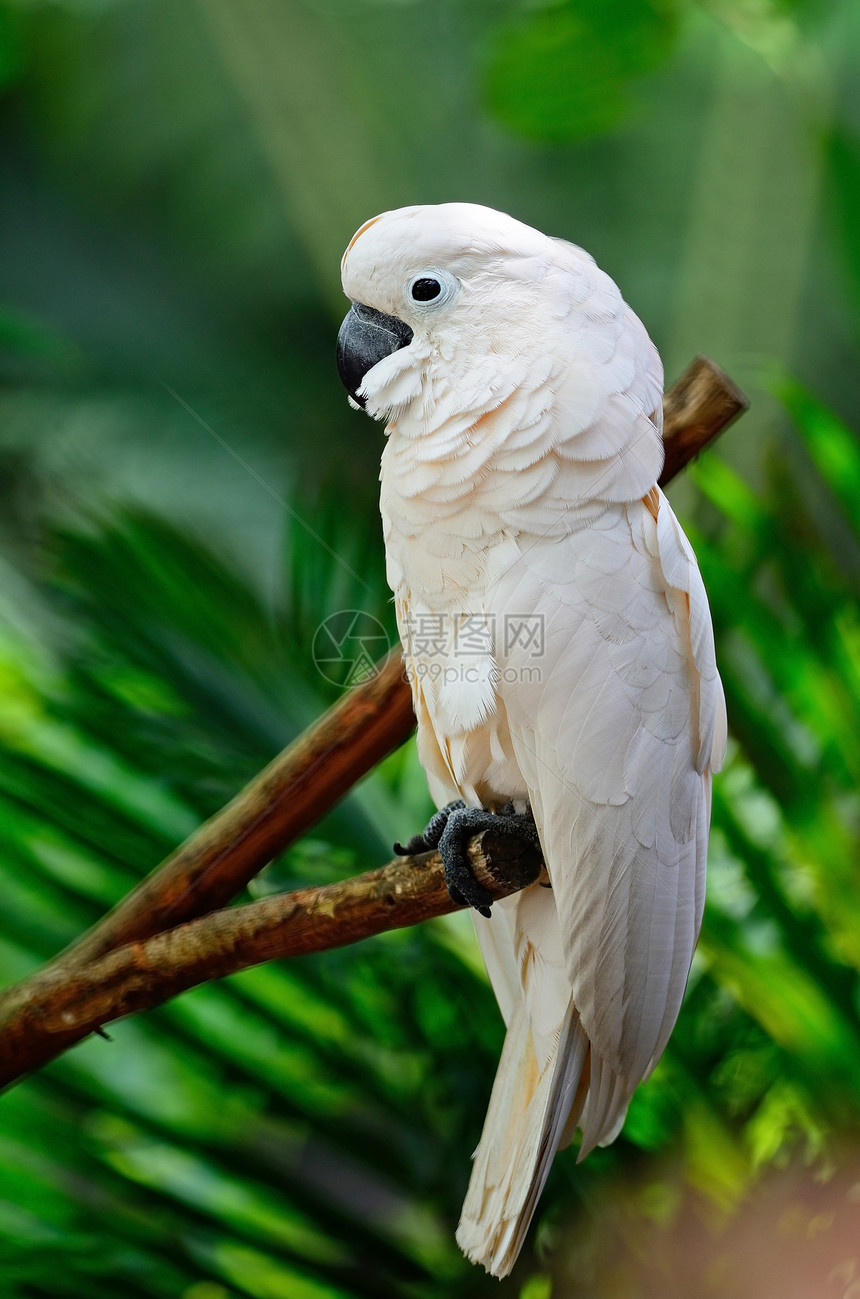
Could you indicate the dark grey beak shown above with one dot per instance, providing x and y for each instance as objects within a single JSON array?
[{"x": 366, "y": 337}]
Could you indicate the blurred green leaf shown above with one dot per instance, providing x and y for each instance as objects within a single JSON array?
[
  {"x": 12, "y": 59},
  {"x": 564, "y": 72},
  {"x": 843, "y": 156},
  {"x": 833, "y": 448}
]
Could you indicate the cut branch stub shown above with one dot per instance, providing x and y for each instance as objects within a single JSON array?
[{"x": 696, "y": 409}]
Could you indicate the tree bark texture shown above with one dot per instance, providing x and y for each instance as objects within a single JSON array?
[{"x": 56, "y": 1007}]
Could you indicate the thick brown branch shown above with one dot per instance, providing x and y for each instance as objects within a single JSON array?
[
  {"x": 142, "y": 952},
  {"x": 309, "y": 777},
  {"x": 57, "y": 1008}
]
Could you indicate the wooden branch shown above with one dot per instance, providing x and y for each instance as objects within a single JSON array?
[
  {"x": 145, "y": 950},
  {"x": 276, "y": 808},
  {"x": 57, "y": 1007},
  {"x": 309, "y": 777}
]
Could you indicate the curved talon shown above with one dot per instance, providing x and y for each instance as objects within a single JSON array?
[
  {"x": 462, "y": 885},
  {"x": 412, "y": 846},
  {"x": 432, "y": 833}
]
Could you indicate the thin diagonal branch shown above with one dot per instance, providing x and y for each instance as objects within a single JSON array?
[{"x": 275, "y": 809}]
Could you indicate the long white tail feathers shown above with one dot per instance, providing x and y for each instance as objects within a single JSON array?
[{"x": 532, "y": 1113}]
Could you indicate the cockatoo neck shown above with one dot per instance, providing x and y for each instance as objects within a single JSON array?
[
  {"x": 446, "y": 386},
  {"x": 460, "y": 455},
  {"x": 472, "y": 413}
]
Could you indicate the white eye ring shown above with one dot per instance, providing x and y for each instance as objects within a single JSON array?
[{"x": 420, "y": 289}]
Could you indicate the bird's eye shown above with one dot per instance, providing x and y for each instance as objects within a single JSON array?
[
  {"x": 431, "y": 287},
  {"x": 426, "y": 289}
]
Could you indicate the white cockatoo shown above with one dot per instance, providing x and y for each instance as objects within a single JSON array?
[{"x": 560, "y": 651}]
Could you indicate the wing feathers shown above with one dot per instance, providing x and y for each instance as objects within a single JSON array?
[
  {"x": 604, "y": 742},
  {"x": 608, "y": 735}
]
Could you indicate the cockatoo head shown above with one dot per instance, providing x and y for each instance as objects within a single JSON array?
[{"x": 446, "y": 299}]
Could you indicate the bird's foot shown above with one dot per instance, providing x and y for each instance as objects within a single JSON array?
[{"x": 450, "y": 831}]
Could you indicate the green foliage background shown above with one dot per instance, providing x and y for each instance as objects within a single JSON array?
[{"x": 184, "y": 497}]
